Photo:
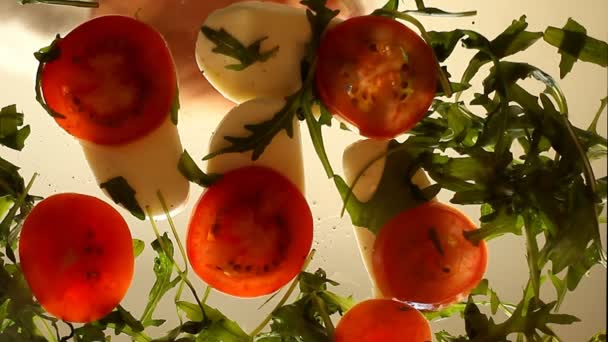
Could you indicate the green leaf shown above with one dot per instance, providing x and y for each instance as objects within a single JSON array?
[
  {"x": 220, "y": 329},
  {"x": 560, "y": 288},
  {"x": 512, "y": 40},
  {"x": 395, "y": 192},
  {"x": 163, "y": 269},
  {"x": 599, "y": 337},
  {"x": 263, "y": 133},
  {"x": 293, "y": 323},
  {"x": 226, "y": 44},
  {"x": 574, "y": 44},
  {"x": 138, "y": 247},
  {"x": 188, "y": 168},
  {"x": 122, "y": 193},
  {"x": 11, "y": 135},
  {"x": 499, "y": 222}
]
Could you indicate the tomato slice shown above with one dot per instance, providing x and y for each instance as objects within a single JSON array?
[
  {"x": 381, "y": 320},
  {"x": 422, "y": 256},
  {"x": 76, "y": 254},
  {"x": 114, "y": 80},
  {"x": 377, "y": 74},
  {"x": 250, "y": 232}
]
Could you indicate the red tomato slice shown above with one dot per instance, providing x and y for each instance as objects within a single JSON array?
[
  {"x": 421, "y": 256},
  {"x": 377, "y": 74},
  {"x": 382, "y": 320},
  {"x": 114, "y": 80},
  {"x": 76, "y": 254},
  {"x": 250, "y": 232}
]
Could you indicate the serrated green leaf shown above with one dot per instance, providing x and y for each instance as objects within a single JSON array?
[
  {"x": 226, "y": 44},
  {"x": 122, "y": 193},
  {"x": 574, "y": 44},
  {"x": 395, "y": 192}
]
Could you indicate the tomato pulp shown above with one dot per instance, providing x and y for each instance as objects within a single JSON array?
[
  {"x": 377, "y": 74},
  {"x": 76, "y": 254},
  {"x": 250, "y": 232},
  {"x": 382, "y": 320},
  {"x": 113, "y": 82},
  {"x": 422, "y": 256}
]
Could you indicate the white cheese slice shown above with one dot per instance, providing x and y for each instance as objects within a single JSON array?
[
  {"x": 248, "y": 21},
  {"x": 354, "y": 160},
  {"x": 283, "y": 154},
  {"x": 149, "y": 165}
]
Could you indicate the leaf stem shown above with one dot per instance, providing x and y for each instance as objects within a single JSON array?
[
  {"x": 73, "y": 3},
  {"x": 533, "y": 257},
  {"x": 177, "y": 267},
  {"x": 321, "y": 308},
  {"x": 286, "y": 296}
]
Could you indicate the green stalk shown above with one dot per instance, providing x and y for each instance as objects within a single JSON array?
[
  {"x": 321, "y": 308},
  {"x": 532, "y": 255},
  {"x": 177, "y": 267}
]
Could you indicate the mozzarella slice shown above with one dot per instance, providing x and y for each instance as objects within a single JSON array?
[
  {"x": 149, "y": 165},
  {"x": 354, "y": 160},
  {"x": 279, "y": 76},
  {"x": 283, "y": 154}
]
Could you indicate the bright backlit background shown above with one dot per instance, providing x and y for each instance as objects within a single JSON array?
[{"x": 62, "y": 167}]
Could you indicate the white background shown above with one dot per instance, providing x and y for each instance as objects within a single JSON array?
[{"x": 62, "y": 167}]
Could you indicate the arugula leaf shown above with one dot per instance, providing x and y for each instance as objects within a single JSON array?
[
  {"x": 74, "y": 3},
  {"x": 227, "y": 44},
  {"x": 188, "y": 168},
  {"x": 293, "y": 322},
  {"x": 574, "y": 44},
  {"x": 122, "y": 193},
  {"x": 395, "y": 192},
  {"x": 301, "y": 101},
  {"x": 163, "y": 269},
  {"x": 138, "y": 247},
  {"x": 220, "y": 328},
  {"x": 11, "y": 135}
]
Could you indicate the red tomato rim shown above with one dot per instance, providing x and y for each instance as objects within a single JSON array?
[
  {"x": 334, "y": 40},
  {"x": 386, "y": 283},
  {"x": 369, "y": 314},
  {"x": 261, "y": 284},
  {"x": 109, "y": 258},
  {"x": 156, "y": 79}
]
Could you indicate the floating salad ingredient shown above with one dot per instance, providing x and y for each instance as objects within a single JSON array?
[
  {"x": 422, "y": 256},
  {"x": 101, "y": 86},
  {"x": 76, "y": 254},
  {"x": 364, "y": 179},
  {"x": 283, "y": 154},
  {"x": 377, "y": 74},
  {"x": 378, "y": 320},
  {"x": 253, "y": 49},
  {"x": 250, "y": 232}
]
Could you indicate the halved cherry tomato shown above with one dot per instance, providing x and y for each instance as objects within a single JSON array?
[
  {"x": 422, "y": 256},
  {"x": 250, "y": 232},
  {"x": 377, "y": 74},
  {"x": 76, "y": 254},
  {"x": 382, "y": 320},
  {"x": 114, "y": 80}
]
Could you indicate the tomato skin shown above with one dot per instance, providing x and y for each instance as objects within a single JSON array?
[
  {"x": 114, "y": 80},
  {"x": 422, "y": 256},
  {"x": 76, "y": 254},
  {"x": 363, "y": 76},
  {"x": 250, "y": 232},
  {"x": 382, "y": 320}
]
